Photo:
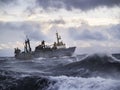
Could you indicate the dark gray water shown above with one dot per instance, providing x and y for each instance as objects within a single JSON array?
[{"x": 87, "y": 72}]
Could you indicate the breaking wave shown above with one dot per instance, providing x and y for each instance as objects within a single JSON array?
[
  {"x": 17, "y": 81},
  {"x": 92, "y": 65},
  {"x": 86, "y": 72},
  {"x": 79, "y": 83}
]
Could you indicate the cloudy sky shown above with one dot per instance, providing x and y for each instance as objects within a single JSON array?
[{"x": 90, "y": 25}]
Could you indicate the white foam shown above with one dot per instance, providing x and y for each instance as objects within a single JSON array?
[{"x": 78, "y": 83}]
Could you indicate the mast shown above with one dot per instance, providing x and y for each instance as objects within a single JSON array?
[
  {"x": 59, "y": 43},
  {"x": 27, "y": 47},
  {"x": 58, "y": 38},
  {"x": 28, "y": 41}
]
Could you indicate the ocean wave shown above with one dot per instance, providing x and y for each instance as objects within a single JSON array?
[
  {"x": 79, "y": 83},
  {"x": 92, "y": 65},
  {"x": 10, "y": 80},
  {"x": 89, "y": 72},
  {"x": 18, "y": 81}
]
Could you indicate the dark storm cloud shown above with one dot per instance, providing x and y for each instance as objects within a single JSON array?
[
  {"x": 49, "y": 3},
  {"x": 7, "y": 2},
  {"x": 79, "y": 4},
  {"x": 13, "y": 31},
  {"x": 86, "y": 34},
  {"x": 100, "y": 33},
  {"x": 32, "y": 30},
  {"x": 19, "y": 30},
  {"x": 57, "y": 21}
]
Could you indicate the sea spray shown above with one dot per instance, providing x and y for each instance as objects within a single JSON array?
[{"x": 79, "y": 83}]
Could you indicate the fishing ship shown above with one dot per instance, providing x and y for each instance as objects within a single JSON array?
[{"x": 57, "y": 49}]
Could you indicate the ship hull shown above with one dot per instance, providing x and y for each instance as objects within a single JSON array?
[
  {"x": 24, "y": 56},
  {"x": 47, "y": 53}
]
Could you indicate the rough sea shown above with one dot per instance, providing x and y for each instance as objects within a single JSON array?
[{"x": 80, "y": 72}]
